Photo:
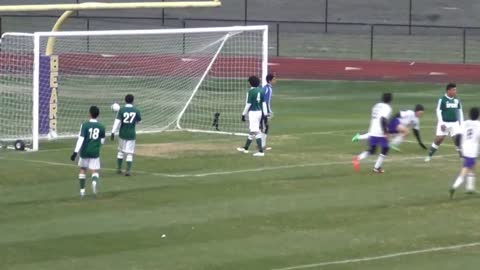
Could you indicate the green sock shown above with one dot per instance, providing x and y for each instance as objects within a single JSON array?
[
  {"x": 95, "y": 178},
  {"x": 82, "y": 183},
  {"x": 259, "y": 144},
  {"x": 129, "y": 165},
  {"x": 432, "y": 151},
  {"x": 119, "y": 163},
  {"x": 247, "y": 144}
]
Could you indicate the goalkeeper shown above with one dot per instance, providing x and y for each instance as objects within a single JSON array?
[
  {"x": 265, "y": 127},
  {"x": 127, "y": 118}
]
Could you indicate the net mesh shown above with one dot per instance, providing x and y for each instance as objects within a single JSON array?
[{"x": 192, "y": 81}]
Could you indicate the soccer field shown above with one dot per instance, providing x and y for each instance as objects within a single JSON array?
[{"x": 300, "y": 207}]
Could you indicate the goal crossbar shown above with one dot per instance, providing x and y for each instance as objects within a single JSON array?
[{"x": 103, "y": 6}]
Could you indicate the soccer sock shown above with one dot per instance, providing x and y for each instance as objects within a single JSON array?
[
  {"x": 264, "y": 140},
  {"x": 363, "y": 155},
  {"x": 119, "y": 161},
  {"x": 258, "y": 138},
  {"x": 397, "y": 140},
  {"x": 433, "y": 149},
  {"x": 95, "y": 179},
  {"x": 363, "y": 136},
  {"x": 379, "y": 162},
  {"x": 129, "y": 162},
  {"x": 81, "y": 180},
  {"x": 249, "y": 141},
  {"x": 457, "y": 182},
  {"x": 470, "y": 186}
]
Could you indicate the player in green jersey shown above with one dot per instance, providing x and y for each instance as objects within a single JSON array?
[
  {"x": 450, "y": 117},
  {"x": 89, "y": 143},
  {"x": 127, "y": 118},
  {"x": 257, "y": 110}
]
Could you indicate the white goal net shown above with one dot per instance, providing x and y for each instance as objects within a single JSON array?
[{"x": 193, "y": 79}]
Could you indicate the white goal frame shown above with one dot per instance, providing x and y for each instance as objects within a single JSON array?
[{"x": 37, "y": 36}]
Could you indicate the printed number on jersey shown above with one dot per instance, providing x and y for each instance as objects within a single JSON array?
[
  {"x": 128, "y": 118},
  {"x": 94, "y": 133}
]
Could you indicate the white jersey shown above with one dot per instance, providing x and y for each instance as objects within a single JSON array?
[
  {"x": 409, "y": 119},
  {"x": 470, "y": 138},
  {"x": 378, "y": 111}
]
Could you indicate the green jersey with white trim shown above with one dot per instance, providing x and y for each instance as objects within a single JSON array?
[
  {"x": 92, "y": 133},
  {"x": 450, "y": 108},
  {"x": 129, "y": 116},
  {"x": 256, "y": 96}
]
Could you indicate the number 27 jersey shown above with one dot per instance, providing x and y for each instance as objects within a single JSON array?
[
  {"x": 129, "y": 116},
  {"x": 470, "y": 138}
]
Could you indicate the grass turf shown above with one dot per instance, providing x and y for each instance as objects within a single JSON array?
[{"x": 300, "y": 204}]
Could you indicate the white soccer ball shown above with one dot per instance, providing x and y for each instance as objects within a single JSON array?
[
  {"x": 115, "y": 107},
  {"x": 52, "y": 135}
]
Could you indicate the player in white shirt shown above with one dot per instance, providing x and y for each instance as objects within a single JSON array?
[
  {"x": 399, "y": 127},
  {"x": 378, "y": 133},
  {"x": 470, "y": 138}
]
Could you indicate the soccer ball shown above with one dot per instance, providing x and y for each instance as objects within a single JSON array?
[
  {"x": 115, "y": 107},
  {"x": 52, "y": 135}
]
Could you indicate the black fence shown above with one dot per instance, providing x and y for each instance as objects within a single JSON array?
[{"x": 339, "y": 40}]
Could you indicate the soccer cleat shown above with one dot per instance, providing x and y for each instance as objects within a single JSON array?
[
  {"x": 378, "y": 170},
  {"x": 267, "y": 148},
  {"x": 82, "y": 194},
  {"x": 127, "y": 173},
  {"x": 259, "y": 154},
  {"x": 119, "y": 171},
  {"x": 451, "y": 193},
  {"x": 355, "y": 137},
  {"x": 243, "y": 150},
  {"x": 428, "y": 158},
  {"x": 471, "y": 192},
  {"x": 356, "y": 163},
  {"x": 394, "y": 147}
]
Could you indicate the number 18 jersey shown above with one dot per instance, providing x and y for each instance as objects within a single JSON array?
[
  {"x": 470, "y": 138},
  {"x": 92, "y": 133},
  {"x": 129, "y": 116}
]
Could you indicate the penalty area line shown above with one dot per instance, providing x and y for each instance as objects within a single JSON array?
[
  {"x": 218, "y": 173},
  {"x": 382, "y": 257}
]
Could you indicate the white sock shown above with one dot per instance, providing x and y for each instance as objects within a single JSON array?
[
  {"x": 379, "y": 162},
  {"x": 363, "y": 155},
  {"x": 457, "y": 182},
  {"x": 397, "y": 140},
  {"x": 470, "y": 185},
  {"x": 363, "y": 136},
  {"x": 264, "y": 140},
  {"x": 94, "y": 186},
  {"x": 82, "y": 191}
]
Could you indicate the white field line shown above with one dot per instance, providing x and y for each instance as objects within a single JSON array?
[
  {"x": 217, "y": 173},
  {"x": 382, "y": 257}
]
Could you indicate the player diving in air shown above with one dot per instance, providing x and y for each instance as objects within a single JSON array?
[{"x": 399, "y": 127}]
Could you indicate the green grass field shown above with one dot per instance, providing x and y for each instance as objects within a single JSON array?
[{"x": 300, "y": 207}]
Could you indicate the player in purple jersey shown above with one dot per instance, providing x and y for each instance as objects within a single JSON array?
[{"x": 378, "y": 134}]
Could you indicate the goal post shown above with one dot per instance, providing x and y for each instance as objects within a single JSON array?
[{"x": 189, "y": 79}]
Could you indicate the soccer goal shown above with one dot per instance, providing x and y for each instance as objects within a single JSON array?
[{"x": 189, "y": 79}]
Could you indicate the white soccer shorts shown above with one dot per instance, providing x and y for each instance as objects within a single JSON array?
[
  {"x": 254, "y": 118},
  {"x": 89, "y": 163},
  {"x": 126, "y": 146},
  {"x": 453, "y": 128}
]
